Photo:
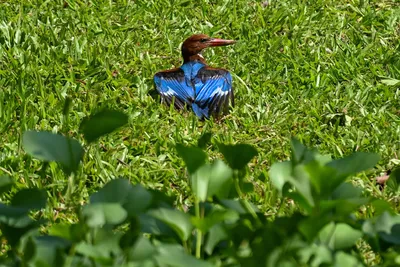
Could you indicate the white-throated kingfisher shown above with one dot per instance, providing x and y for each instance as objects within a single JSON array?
[{"x": 206, "y": 90}]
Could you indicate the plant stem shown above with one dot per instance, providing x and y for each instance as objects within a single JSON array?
[
  {"x": 244, "y": 202},
  {"x": 198, "y": 231}
]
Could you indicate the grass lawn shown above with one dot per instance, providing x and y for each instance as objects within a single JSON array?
[{"x": 324, "y": 71}]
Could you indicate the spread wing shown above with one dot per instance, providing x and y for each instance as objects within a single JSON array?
[
  {"x": 171, "y": 84},
  {"x": 213, "y": 91}
]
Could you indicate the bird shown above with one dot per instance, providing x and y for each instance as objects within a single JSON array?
[{"x": 207, "y": 90}]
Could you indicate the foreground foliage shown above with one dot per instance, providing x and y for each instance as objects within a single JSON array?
[{"x": 128, "y": 225}]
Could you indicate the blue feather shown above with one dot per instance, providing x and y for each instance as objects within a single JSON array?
[{"x": 207, "y": 90}]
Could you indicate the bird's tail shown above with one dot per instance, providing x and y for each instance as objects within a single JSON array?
[{"x": 200, "y": 112}]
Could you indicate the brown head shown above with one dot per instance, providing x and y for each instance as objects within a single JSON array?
[{"x": 192, "y": 46}]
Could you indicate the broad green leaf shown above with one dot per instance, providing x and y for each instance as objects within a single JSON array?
[
  {"x": 297, "y": 176},
  {"x": 355, "y": 163},
  {"x": 280, "y": 173},
  {"x": 6, "y": 184},
  {"x": 315, "y": 255},
  {"x": 48, "y": 251},
  {"x": 204, "y": 140},
  {"x": 174, "y": 255},
  {"x": 321, "y": 178},
  {"x": 72, "y": 232},
  {"x": 300, "y": 179},
  {"x": 142, "y": 250},
  {"x": 339, "y": 236},
  {"x": 53, "y": 147},
  {"x": 102, "y": 123},
  {"x": 347, "y": 191},
  {"x": 393, "y": 183},
  {"x": 342, "y": 206},
  {"x": 303, "y": 155},
  {"x": 300, "y": 152},
  {"x": 16, "y": 217},
  {"x": 311, "y": 226},
  {"x": 386, "y": 226},
  {"x": 52, "y": 241},
  {"x": 212, "y": 179},
  {"x": 177, "y": 220},
  {"x": 381, "y": 206},
  {"x": 344, "y": 259},
  {"x": 135, "y": 199},
  {"x": 216, "y": 234},
  {"x": 99, "y": 214},
  {"x": 30, "y": 199},
  {"x": 237, "y": 205},
  {"x": 105, "y": 244},
  {"x": 156, "y": 227},
  {"x": 238, "y": 156},
  {"x": 138, "y": 200},
  {"x": 115, "y": 191},
  {"x": 213, "y": 218},
  {"x": 193, "y": 157}
]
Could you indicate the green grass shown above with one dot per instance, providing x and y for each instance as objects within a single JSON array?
[{"x": 310, "y": 69}]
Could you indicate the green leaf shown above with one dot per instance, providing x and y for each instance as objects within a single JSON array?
[
  {"x": 213, "y": 218},
  {"x": 115, "y": 191},
  {"x": 339, "y": 236},
  {"x": 380, "y": 206},
  {"x": 344, "y": 259},
  {"x": 47, "y": 251},
  {"x": 53, "y": 147},
  {"x": 16, "y": 217},
  {"x": 30, "y": 199},
  {"x": 238, "y": 156},
  {"x": 393, "y": 183},
  {"x": 138, "y": 200},
  {"x": 342, "y": 206},
  {"x": 347, "y": 191},
  {"x": 99, "y": 214},
  {"x": 204, "y": 140},
  {"x": 300, "y": 152},
  {"x": 177, "y": 220},
  {"x": 311, "y": 226},
  {"x": 52, "y": 241},
  {"x": 316, "y": 255},
  {"x": 216, "y": 234},
  {"x": 212, "y": 179},
  {"x": 135, "y": 199},
  {"x": 104, "y": 247},
  {"x": 302, "y": 155},
  {"x": 156, "y": 227},
  {"x": 102, "y": 123},
  {"x": 386, "y": 226},
  {"x": 355, "y": 163},
  {"x": 73, "y": 232},
  {"x": 6, "y": 184},
  {"x": 193, "y": 157},
  {"x": 237, "y": 205},
  {"x": 142, "y": 250},
  {"x": 174, "y": 255},
  {"x": 282, "y": 172}
]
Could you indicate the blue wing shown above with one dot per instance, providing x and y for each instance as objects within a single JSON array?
[
  {"x": 213, "y": 92},
  {"x": 171, "y": 84}
]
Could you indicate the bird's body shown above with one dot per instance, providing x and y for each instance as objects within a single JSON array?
[{"x": 206, "y": 90}]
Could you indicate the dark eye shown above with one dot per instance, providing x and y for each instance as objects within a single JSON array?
[{"x": 203, "y": 40}]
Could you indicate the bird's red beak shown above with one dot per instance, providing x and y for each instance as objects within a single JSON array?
[{"x": 220, "y": 42}]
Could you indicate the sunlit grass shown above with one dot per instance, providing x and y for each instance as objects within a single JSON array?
[{"x": 310, "y": 70}]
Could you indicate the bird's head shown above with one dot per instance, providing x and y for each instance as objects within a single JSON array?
[{"x": 193, "y": 45}]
